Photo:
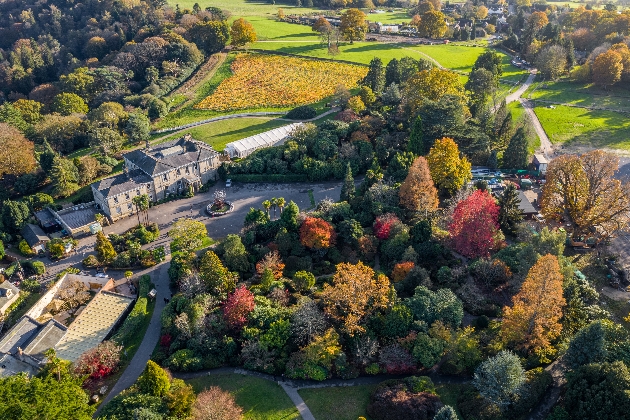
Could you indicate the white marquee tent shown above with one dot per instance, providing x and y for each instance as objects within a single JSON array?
[{"x": 248, "y": 145}]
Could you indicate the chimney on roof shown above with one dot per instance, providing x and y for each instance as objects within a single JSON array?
[{"x": 20, "y": 354}]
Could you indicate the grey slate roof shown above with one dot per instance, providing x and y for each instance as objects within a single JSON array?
[
  {"x": 19, "y": 335},
  {"x": 122, "y": 183},
  {"x": 33, "y": 235},
  {"x": 525, "y": 206},
  {"x": 45, "y": 217},
  {"x": 170, "y": 155},
  {"x": 48, "y": 336},
  {"x": 32, "y": 337}
]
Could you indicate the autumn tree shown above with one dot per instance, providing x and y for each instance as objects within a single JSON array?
[
  {"x": 271, "y": 261},
  {"x": 607, "y": 68},
  {"x": 509, "y": 213},
  {"x": 475, "y": 228},
  {"x": 417, "y": 192},
  {"x": 215, "y": 404},
  {"x": 316, "y": 233},
  {"x": 237, "y": 306},
  {"x": 242, "y": 33},
  {"x": 431, "y": 85},
  {"x": 449, "y": 171},
  {"x": 357, "y": 292},
  {"x": 353, "y": 25},
  {"x": 432, "y": 24},
  {"x": 187, "y": 235},
  {"x": 383, "y": 225},
  {"x": 17, "y": 154},
  {"x": 533, "y": 321},
  {"x": 584, "y": 192},
  {"x": 105, "y": 252},
  {"x": 211, "y": 36}
]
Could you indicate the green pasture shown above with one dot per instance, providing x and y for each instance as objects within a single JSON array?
[
  {"x": 579, "y": 126},
  {"x": 246, "y": 8},
  {"x": 220, "y": 133},
  {"x": 259, "y": 398},
  {"x": 583, "y": 95}
]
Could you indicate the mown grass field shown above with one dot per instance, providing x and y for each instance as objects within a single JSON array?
[
  {"x": 581, "y": 127},
  {"x": 583, "y": 95},
  {"x": 259, "y": 398},
  {"x": 220, "y": 133},
  {"x": 338, "y": 403}
]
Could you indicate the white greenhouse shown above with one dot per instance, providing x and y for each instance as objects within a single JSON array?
[{"x": 248, "y": 145}]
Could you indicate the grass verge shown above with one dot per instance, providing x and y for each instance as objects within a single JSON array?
[
  {"x": 259, "y": 398},
  {"x": 338, "y": 403}
]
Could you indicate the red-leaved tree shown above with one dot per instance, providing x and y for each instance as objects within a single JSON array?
[
  {"x": 237, "y": 306},
  {"x": 383, "y": 225},
  {"x": 317, "y": 233},
  {"x": 475, "y": 227},
  {"x": 99, "y": 361}
]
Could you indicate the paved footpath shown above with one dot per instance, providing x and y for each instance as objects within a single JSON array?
[{"x": 159, "y": 276}]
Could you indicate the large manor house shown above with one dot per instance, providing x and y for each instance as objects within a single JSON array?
[{"x": 161, "y": 171}]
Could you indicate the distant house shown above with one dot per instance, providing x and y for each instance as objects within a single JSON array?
[
  {"x": 8, "y": 294},
  {"x": 35, "y": 237},
  {"x": 540, "y": 163},
  {"x": 525, "y": 206},
  {"x": 392, "y": 29},
  {"x": 249, "y": 145}
]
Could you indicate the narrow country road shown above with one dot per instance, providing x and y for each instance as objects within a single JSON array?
[
  {"x": 545, "y": 144},
  {"x": 159, "y": 277},
  {"x": 516, "y": 95}
]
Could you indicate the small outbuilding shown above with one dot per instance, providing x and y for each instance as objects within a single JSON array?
[
  {"x": 8, "y": 294},
  {"x": 540, "y": 163},
  {"x": 525, "y": 206},
  {"x": 35, "y": 237}
]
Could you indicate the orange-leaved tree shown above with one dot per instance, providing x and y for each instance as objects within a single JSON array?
[
  {"x": 401, "y": 270},
  {"x": 356, "y": 293},
  {"x": 533, "y": 321},
  {"x": 316, "y": 233},
  {"x": 242, "y": 32},
  {"x": 417, "y": 192},
  {"x": 271, "y": 261}
]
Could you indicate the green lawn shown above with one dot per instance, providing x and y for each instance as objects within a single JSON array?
[
  {"x": 246, "y": 8},
  {"x": 260, "y": 399},
  {"x": 583, "y": 95},
  {"x": 583, "y": 127},
  {"x": 448, "y": 395},
  {"x": 220, "y": 133},
  {"x": 338, "y": 403}
]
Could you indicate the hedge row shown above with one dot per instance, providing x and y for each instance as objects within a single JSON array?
[
  {"x": 268, "y": 178},
  {"x": 134, "y": 320}
]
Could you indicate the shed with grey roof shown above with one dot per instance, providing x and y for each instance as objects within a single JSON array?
[
  {"x": 8, "y": 294},
  {"x": 35, "y": 237}
]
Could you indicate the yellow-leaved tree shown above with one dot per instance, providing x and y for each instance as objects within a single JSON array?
[
  {"x": 417, "y": 192},
  {"x": 431, "y": 85},
  {"x": 449, "y": 171},
  {"x": 583, "y": 191},
  {"x": 353, "y": 25},
  {"x": 242, "y": 32},
  {"x": 533, "y": 321},
  {"x": 357, "y": 292}
]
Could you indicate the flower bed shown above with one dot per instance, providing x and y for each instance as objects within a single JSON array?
[
  {"x": 264, "y": 81},
  {"x": 227, "y": 207}
]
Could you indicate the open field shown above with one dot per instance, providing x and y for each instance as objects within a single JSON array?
[
  {"x": 260, "y": 399},
  {"x": 338, "y": 403},
  {"x": 583, "y": 95},
  {"x": 220, "y": 133},
  {"x": 581, "y": 127}
]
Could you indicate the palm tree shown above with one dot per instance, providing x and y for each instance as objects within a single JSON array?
[
  {"x": 142, "y": 205},
  {"x": 266, "y": 205},
  {"x": 55, "y": 362},
  {"x": 281, "y": 203},
  {"x": 274, "y": 203}
]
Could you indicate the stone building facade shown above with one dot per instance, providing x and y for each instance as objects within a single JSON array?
[{"x": 161, "y": 171}]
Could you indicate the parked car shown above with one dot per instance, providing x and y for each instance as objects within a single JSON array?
[
  {"x": 228, "y": 183},
  {"x": 539, "y": 218}
]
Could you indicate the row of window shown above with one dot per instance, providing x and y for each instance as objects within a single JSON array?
[
  {"x": 127, "y": 196},
  {"x": 179, "y": 172},
  {"x": 130, "y": 205}
]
